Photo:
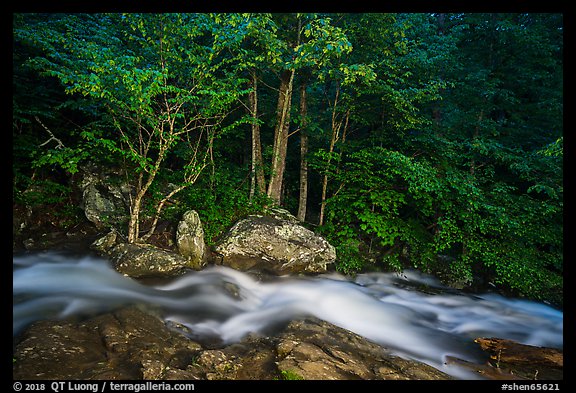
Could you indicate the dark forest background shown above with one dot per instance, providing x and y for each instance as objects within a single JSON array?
[{"x": 432, "y": 141}]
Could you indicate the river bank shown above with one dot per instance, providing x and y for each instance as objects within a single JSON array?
[{"x": 226, "y": 324}]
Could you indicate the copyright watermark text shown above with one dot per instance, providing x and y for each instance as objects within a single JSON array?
[
  {"x": 530, "y": 386},
  {"x": 100, "y": 386}
]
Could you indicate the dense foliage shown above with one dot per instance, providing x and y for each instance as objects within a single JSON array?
[{"x": 424, "y": 140}]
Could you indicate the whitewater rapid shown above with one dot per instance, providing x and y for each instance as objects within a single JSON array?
[{"x": 226, "y": 304}]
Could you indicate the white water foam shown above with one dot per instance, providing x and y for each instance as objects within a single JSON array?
[{"x": 227, "y": 304}]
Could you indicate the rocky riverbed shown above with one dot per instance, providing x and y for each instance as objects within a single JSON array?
[
  {"x": 132, "y": 342},
  {"x": 217, "y": 324}
]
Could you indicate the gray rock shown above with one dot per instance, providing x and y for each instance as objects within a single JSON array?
[
  {"x": 105, "y": 243},
  {"x": 133, "y": 344},
  {"x": 282, "y": 214},
  {"x": 276, "y": 244},
  {"x": 314, "y": 349},
  {"x": 144, "y": 260},
  {"x": 190, "y": 240},
  {"x": 128, "y": 344},
  {"x": 105, "y": 200}
]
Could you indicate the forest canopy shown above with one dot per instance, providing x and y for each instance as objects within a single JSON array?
[{"x": 432, "y": 141}]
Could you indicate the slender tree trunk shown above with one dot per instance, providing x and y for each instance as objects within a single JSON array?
[
  {"x": 256, "y": 170},
  {"x": 162, "y": 202},
  {"x": 282, "y": 127},
  {"x": 303, "y": 200},
  {"x": 281, "y": 136},
  {"x": 260, "y": 180},
  {"x": 142, "y": 189},
  {"x": 336, "y": 125},
  {"x": 133, "y": 222}
]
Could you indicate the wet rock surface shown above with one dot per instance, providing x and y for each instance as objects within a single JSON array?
[
  {"x": 105, "y": 197},
  {"x": 275, "y": 243},
  {"x": 510, "y": 358},
  {"x": 319, "y": 350},
  {"x": 190, "y": 240},
  {"x": 126, "y": 344},
  {"x": 145, "y": 260},
  {"x": 133, "y": 344}
]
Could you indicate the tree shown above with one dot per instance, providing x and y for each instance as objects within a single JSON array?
[
  {"x": 457, "y": 163},
  {"x": 257, "y": 164},
  {"x": 309, "y": 41},
  {"x": 426, "y": 140},
  {"x": 303, "y": 191},
  {"x": 162, "y": 80},
  {"x": 261, "y": 47}
]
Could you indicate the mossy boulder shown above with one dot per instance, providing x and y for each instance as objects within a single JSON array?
[{"x": 274, "y": 243}]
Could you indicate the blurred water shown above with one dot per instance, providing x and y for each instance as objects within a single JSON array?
[{"x": 225, "y": 305}]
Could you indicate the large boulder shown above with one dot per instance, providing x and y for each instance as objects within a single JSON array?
[
  {"x": 132, "y": 344},
  {"x": 105, "y": 197},
  {"x": 127, "y": 344},
  {"x": 317, "y": 350},
  {"x": 276, "y": 243},
  {"x": 145, "y": 260},
  {"x": 190, "y": 239}
]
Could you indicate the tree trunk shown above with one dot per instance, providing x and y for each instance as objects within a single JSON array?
[
  {"x": 134, "y": 222},
  {"x": 323, "y": 199},
  {"x": 303, "y": 200},
  {"x": 336, "y": 126},
  {"x": 256, "y": 170},
  {"x": 281, "y": 136},
  {"x": 142, "y": 189}
]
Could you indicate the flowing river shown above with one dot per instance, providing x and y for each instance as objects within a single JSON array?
[{"x": 223, "y": 304}]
